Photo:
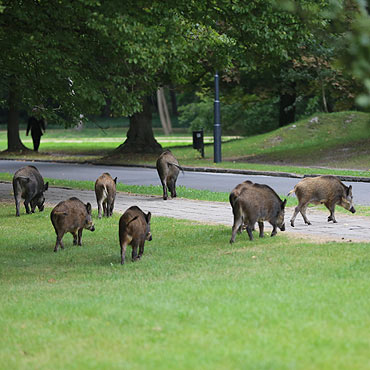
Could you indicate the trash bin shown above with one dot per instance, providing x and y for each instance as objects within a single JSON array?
[{"x": 198, "y": 141}]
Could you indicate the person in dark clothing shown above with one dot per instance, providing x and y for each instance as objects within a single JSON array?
[{"x": 37, "y": 127}]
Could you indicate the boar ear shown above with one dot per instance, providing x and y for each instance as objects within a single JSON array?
[
  {"x": 148, "y": 217},
  {"x": 46, "y": 186},
  {"x": 115, "y": 180},
  {"x": 283, "y": 204},
  {"x": 88, "y": 208},
  {"x": 349, "y": 190}
]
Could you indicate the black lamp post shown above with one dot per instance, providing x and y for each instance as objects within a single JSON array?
[{"x": 217, "y": 124}]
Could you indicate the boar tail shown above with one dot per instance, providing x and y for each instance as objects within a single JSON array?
[
  {"x": 291, "y": 192},
  {"x": 128, "y": 223},
  {"x": 176, "y": 165}
]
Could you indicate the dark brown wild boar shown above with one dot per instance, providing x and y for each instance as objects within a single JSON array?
[
  {"x": 168, "y": 171},
  {"x": 134, "y": 229},
  {"x": 327, "y": 190},
  {"x": 257, "y": 203},
  {"x": 105, "y": 191},
  {"x": 71, "y": 216},
  {"x": 29, "y": 185}
]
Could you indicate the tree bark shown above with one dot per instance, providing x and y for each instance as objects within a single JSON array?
[
  {"x": 287, "y": 106},
  {"x": 14, "y": 142},
  {"x": 140, "y": 137}
]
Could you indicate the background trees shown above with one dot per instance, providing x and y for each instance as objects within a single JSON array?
[{"x": 71, "y": 58}]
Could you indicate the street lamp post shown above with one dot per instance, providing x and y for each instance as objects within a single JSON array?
[{"x": 217, "y": 124}]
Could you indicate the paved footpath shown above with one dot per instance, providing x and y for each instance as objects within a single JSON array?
[{"x": 350, "y": 227}]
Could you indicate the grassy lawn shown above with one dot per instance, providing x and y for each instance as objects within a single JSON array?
[{"x": 193, "y": 301}]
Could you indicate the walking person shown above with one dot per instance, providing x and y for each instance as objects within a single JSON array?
[{"x": 37, "y": 127}]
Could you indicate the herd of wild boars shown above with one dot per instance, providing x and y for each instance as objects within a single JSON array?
[{"x": 251, "y": 203}]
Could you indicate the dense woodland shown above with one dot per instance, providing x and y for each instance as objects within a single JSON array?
[{"x": 278, "y": 60}]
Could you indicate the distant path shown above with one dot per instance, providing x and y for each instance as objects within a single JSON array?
[
  {"x": 349, "y": 227},
  {"x": 224, "y": 182}
]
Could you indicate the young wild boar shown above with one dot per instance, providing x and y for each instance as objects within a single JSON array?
[
  {"x": 134, "y": 229},
  {"x": 105, "y": 191},
  {"x": 71, "y": 216},
  {"x": 328, "y": 190},
  {"x": 29, "y": 185},
  {"x": 257, "y": 203},
  {"x": 168, "y": 170}
]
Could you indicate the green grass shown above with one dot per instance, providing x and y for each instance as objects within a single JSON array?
[{"x": 193, "y": 301}]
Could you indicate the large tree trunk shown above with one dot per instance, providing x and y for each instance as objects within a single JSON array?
[
  {"x": 287, "y": 105},
  {"x": 140, "y": 137},
  {"x": 14, "y": 141}
]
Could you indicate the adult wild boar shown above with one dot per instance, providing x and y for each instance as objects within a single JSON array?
[
  {"x": 327, "y": 190},
  {"x": 134, "y": 229},
  {"x": 71, "y": 216},
  {"x": 29, "y": 185},
  {"x": 168, "y": 171},
  {"x": 257, "y": 203},
  {"x": 105, "y": 191}
]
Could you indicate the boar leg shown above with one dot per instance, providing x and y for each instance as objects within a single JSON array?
[
  {"x": 249, "y": 231},
  {"x": 59, "y": 242},
  {"x": 164, "y": 185},
  {"x": 303, "y": 213},
  {"x": 331, "y": 208},
  {"x": 74, "y": 233},
  {"x": 105, "y": 209},
  {"x": 26, "y": 205},
  {"x": 238, "y": 222},
  {"x": 260, "y": 225},
  {"x": 99, "y": 208},
  {"x": 80, "y": 236},
  {"x": 172, "y": 188},
  {"x": 17, "y": 202},
  {"x": 134, "y": 252},
  {"x": 123, "y": 252},
  {"x": 274, "y": 231},
  {"x": 141, "y": 249}
]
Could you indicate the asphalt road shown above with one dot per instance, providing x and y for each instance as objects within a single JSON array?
[{"x": 147, "y": 176}]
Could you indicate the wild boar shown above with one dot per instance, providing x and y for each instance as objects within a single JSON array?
[
  {"x": 327, "y": 190},
  {"x": 134, "y": 229},
  {"x": 71, "y": 216},
  {"x": 105, "y": 191},
  {"x": 257, "y": 203},
  {"x": 168, "y": 171},
  {"x": 29, "y": 185}
]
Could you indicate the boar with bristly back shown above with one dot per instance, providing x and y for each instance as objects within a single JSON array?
[
  {"x": 29, "y": 185},
  {"x": 105, "y": 191},
  {"x": 257, "y": 203},
  {"x": 134, "y": 230},
  {"x": 71, "y": 216},
  {"x": 168, "y": 170},
  {"x": 327, "y": 190}
]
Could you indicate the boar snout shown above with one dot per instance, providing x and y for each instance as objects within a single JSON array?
[
  {"x": 352, "y": 209},
  {"x": 149, "y": 237},
  {"x": 282, "y": 227},
  {"x": 92, "y": 228}
]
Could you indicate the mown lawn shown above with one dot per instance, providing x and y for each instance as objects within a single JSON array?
[{"x": 193, "y": 301}]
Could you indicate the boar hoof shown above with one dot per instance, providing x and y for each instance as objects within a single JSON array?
[{"x": 292, "y": 223}]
